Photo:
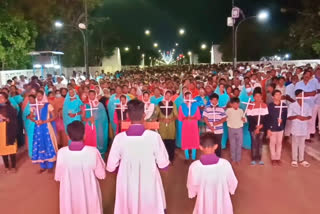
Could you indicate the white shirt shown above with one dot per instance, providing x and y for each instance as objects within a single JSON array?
[
  {"x": 311, "y": 86},
  {"x": 299, "y": 127}
]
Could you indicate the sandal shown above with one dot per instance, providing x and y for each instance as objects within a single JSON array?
[
  {"x": 305, "y": 164},
  {"x": 294, "y": 164}
]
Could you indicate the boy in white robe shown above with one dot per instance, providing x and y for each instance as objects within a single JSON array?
[
  {"x": 137, "y": 154},
  {"x": 211, "y": 179},
  {"x": 78, "y": 169}
]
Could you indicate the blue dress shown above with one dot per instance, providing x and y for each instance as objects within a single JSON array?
[
  {"x": 155, "y": 100},
  {"x": 178, "y": 103},
  {"x": 246, "y": 134},
  {"x": 73, "y": 107},
  {"x": 43, "y": 144},
  {"x": 111, "y": 109},
  {"x": 29, "y": 127}
]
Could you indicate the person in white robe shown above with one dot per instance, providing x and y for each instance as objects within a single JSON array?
[
  {"x": 211, "y": 179},
  {"x": 138, "y": 154},
  {"x": 78, "y": 169}
]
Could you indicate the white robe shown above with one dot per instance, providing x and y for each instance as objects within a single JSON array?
[
  {"x": 212, "y": 184},
  {"x": 139, "y": 185},
  {"x": 77, "y": 172}
]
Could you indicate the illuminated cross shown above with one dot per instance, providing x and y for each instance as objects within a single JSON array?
[
  {"x": 167, "y": 107},
  {"x": 91, "y": 109},
  {"x": 303, "y": 98},
  {"x": 36, "y": 105},
  {"x": 190, "y": 101},
  {"x": 280, "y": 112},
  {"x": 122, "y": 108}
]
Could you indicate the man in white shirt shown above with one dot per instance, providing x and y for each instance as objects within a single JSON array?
[{"x": 59, "y": 83}]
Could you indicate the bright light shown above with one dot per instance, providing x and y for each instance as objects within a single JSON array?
[
  {"x": 126, "y": 49},
  {"x": 147, "y": 32},
  {"x": 173, "y": 50},
  {"x": 155, "y": 45},
  {"x": 203, "y": 46},
  {"x": 58, "y": 24},
  {"x": 263, "y": 15},
  {"x": 287, "y": 56},
  {"x": 37, "y": 66},
  {"x": 82, "y": 26},
  {"x": 177, "y": 44},
  {"x": 143, "y": 55},
  {"x": 189, "y": 53},
  {"x": 159, "y": 51},
  {"x": 181, "y": 31}
]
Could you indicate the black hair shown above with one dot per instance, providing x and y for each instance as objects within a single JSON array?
[
  {"x": 187, "y": 93},
  {"x": 135, "y": 110},
  {"x": 257, "y": 90},
  {"x": 234, "y": 100},
  {"x": 40, "y": 92},
  {"x": 236, "y": 89},
  {"x": 146, "y": 92},
  {"x": 123, "y": 96},
  {"x": 276, "y": 91},
  {"x": 208, "y": 140},
  {"x": 168, "y": 91},
  {"x": 31, "y": 95},
  {"x": 75, "y": 131},
  {"x": 5, "y": 95},
  {"x": 92, "y": 91},
  {"x": 50, "y": 93},
  {"x": 214, "y": 95},
  {"x": 298, "y": 91}
]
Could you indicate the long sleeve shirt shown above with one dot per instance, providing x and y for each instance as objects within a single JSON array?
[{"x": 272, "y": 119}]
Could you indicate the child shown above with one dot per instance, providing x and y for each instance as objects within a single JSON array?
[
  {"x": 299, "y": 129},
  {"x": 167, "y": 114},
  {"x": 214, "y": 117},
  {"x": 235, "y": 121},
  {"x": 256, "y": 115},
  {"x": 275, "y": 126},
  {"x": 78, "y": 167},
  {"x": 211, "y": 179},
  {"x": 189, "y": 114}
]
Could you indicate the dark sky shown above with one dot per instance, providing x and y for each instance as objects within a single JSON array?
[{"x": 203, "y": 20}]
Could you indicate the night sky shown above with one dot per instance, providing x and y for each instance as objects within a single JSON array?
[{"x": 203, "y": 20}]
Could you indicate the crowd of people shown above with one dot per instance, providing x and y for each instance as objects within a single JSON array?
[{"x": 237, "y": 107}]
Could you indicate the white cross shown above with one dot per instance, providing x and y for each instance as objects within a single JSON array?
[
  {"x": 280, "y": 112},
  {"x": 247, "y": 105},
  {"x": 91, "y": 111},
  {"x": 37, "y": 108},
  {"x": 259, "y": 116},
  {"x": 122, "y": 108},
  {"x": 303, "y": 98},
  {"x": 167, "y": 107},
  {"x": 190, "y": 101}
]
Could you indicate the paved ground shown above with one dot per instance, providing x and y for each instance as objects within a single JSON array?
[{"x": 262, "y": 189}]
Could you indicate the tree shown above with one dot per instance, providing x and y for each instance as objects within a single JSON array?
[
  {"x": 17, "y": 39},
  {"x": 304, "y": 36}
]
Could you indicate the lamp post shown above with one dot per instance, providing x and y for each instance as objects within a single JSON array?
[
  {"x": 181, "y": 31},
  {"x": 263, "y": 15},
  {"x": 143, "y": 56},
  {"x": 81, "y": 27},
  {"x": 190, "y": 57},
  {"x": 147, "y": 32}
]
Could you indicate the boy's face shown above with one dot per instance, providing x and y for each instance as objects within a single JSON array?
[
  {"x": 277, "y": 96},
  {"x": 258, "y": 97},
  {"x": 214, "y": 101},
  {"x": 235, "y": 105}
]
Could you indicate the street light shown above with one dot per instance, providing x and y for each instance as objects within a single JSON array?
[
  {"x": 190, "y": 57},
  {"x": 287, "y": 56},
  {"x": 126, "y": 49},
  {"x": 181, "y": 31},
  {"x": 203, "y": 46},
  {"x": 262, "y": 16},
  {"x": 81, "y": 27},
  {"x": 147, "y": 32},
  {"x": 177, "y": 44},
  {"x": 155, "y": 45}
]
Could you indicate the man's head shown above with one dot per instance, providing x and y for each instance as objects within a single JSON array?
[
  {"x": 136, "y": 110},
  {"x": 146, "y": 96},
  {"x": 235, "y": 102},
  {"x": 257, "y": 94},
  {"x": 208, "y": 143},
  {"x": 276, "y": 94},
  {"x": 76, "y": 131},
  {"x": 167, "y": 96}
]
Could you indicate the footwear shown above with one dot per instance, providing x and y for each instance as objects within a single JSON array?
[
  {"x": 42, "y": 171},
  {"x": 4, "y": 171},
  {"x": 279, "y": 162},
  {"x": 253, "y": 163},
  {"x": 50, "y": 171},
  {"x": 13, "y": 170},
  {"x": 294, "y": 164},
  {"x": 274, "y": 162},
  {"x": 305, "y": 164},
  {"x": 186, "y": 162},
  {"x": 261, "y": 163},
  {"x": 308, "y": 141}
]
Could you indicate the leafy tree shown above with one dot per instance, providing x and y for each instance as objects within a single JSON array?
[{"x": 17, "y": 38}]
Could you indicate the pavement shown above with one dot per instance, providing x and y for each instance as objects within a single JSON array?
[{"x": 262, "y": 189}]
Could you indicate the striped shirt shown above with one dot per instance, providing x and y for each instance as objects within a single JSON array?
[{"x": 214, "y": 114}]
